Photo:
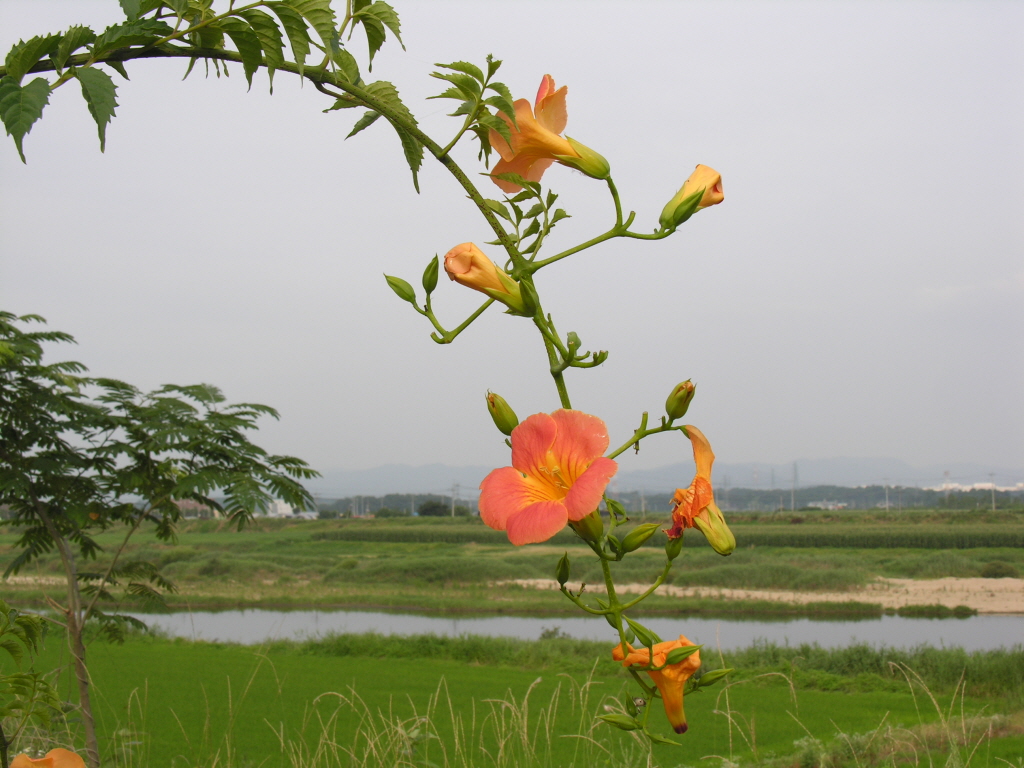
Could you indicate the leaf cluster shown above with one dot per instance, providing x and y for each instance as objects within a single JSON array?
[
  {"x": 254, "y": 35},
  {"x": 25, "y": 697},
  {"x": 469, "y": 86},
  {"x": 535, "y": 222},
  {"x": 74, "y": 463}
]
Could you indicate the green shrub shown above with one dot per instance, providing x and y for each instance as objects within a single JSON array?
[{"x": 999, "y": 570}]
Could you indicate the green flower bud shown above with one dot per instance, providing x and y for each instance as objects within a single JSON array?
[
  {"x": 430, "y": 275},
  {"x": 710, "y": 678},
  {"x": 504, "y": 417},
  {"x": 588, "y": 161},
  {"x": 401, "y": 288},
  {"x": 679, "y": 400},
  {"x": 622, "y": 722},
  {"x": 715, "y": 530},
  {"x": 676, "y": 655},
  {"x": 590, "y": 528},
  {"x": 562, "y": 570},
  {"x": 636, "y": 538},
  {"x": 674, "y": 546}
]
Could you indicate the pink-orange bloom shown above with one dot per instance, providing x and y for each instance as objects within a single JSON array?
[
  {"x": 670, "y": 680},
  {"x": 695, "y": 506},
  {"x": 55, "y": 758},
  {"x": 467, "y": 265},
  {"x": 558, "y": 474},
  {"x": 536, "y": 142}
]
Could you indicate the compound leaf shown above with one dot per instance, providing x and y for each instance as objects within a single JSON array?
[
  {"x": 71, "y": 41},
  {"x": 295, "y": 28},
  {"x": 25, "y": 55},
  {"x": 248, "y": 44},
  {"x": 139, "y": 32}
]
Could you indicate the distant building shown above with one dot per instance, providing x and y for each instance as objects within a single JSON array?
[
  {"x": 278, "y": 508},
  {"x": 190, "y": 508}
]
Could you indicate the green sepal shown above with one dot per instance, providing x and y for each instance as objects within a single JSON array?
[
  {"x": 643, "y": 634},
  {"x": 686, "y": 208},
  {"x": 430, "y": 276},
  {"x": 622, "y": 722},
  {"x": 615, "y": 545},
  {"x": 676, "y": 655},
  {"x": 401, "y": 288},
  {"x": 562, "y": 570},
  {"x": 660, "y": 739},
  {"x": 615, "y": 508},
  {"x": 710, "y": 678},
  {"x": 630, "y": 705},
  {"x": 673, "y": 547},
  {"x": 636, "y": 538}
]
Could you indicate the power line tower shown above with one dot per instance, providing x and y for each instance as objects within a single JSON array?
[
  {"x": 456, "y": 488},
  {"x": 792, "y": 490},
  {"x": 992, "y": 485}
]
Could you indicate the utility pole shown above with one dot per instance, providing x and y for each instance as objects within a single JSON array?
[
  {"x": 412, "y": 504},
  {"x": 886, "y": 481},
  {"x": 792, "y": 491},
  {"x": 455, "y": 491},
  {"x": 992, "y": 485}
]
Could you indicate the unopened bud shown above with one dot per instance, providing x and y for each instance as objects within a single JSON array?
[
  {"x": 401, "y": 288},
  {"x": 674, "y": 546},
  {"x": 679, "y": 400},
  {"x": 430, "y": 275},
  {"x": 562, "y": 570},
  {"x": 504, "y": 417},
  {"x": 715, "y": 530},
  {"x": 590, "y": 528},
  {"x": 587, "y": 161},
  {"x": 636, "y": 538}
]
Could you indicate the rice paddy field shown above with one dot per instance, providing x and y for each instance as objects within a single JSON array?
[{"x": 370, "y": 700}]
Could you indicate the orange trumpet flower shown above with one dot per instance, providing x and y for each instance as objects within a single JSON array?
[
  {"x": 670, "y": 680},
  {"x": 695, "y": 506}
]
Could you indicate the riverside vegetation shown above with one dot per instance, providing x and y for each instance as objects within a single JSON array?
[{"x": 456, "y": 565}]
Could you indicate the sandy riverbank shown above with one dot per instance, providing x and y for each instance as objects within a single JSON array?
[{"x": 983, "y": 595}]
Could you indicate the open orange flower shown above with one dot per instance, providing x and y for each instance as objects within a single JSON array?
[
  {"x": 670, "y": 680},
  {"x": 536, "y": 142},
  {"x": 55, "y": 758},
  {"x": 558, "y": 474},
  {"x": 695, "y": 506}
]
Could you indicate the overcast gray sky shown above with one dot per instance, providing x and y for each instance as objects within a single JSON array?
[{"x": 859, "y": 293}]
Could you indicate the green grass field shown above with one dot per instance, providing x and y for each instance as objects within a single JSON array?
[{"x": 186, "y": 704}]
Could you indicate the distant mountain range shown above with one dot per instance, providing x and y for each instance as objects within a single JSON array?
[{"x": 440, "y": 478}]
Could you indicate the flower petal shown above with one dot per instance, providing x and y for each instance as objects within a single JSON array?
[
  {"x": 581, "y": 439},
  {"x": 502, "y": 493},
  {"x": 585, "y": 494},
  {"x": 551, "y": 112},
  {"x": 702, "y": 454},
  {"x": 531, "y": 441},
  {"x": 537, "y": 522}
]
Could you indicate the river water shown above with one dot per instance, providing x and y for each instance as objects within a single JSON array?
[{"x": 257, "y": 626}]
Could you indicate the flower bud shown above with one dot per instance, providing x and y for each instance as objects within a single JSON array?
[
  {"x": 430, "y": 276},
  {"x": 562, "y": 570},
  {"x": 674, "y": 546},
  {"x": 504, "y": 417},
  {"x": 401, "y": 288},
  {"x": 702, "y": 190},
  {"x": 711, "y": 523},
  {"x": 587, "y": 161},
  {"x": 679, "y": 400},
  {"x": 467, "y": 265},
  {"x": 590, "y": 528},
  {"x": 636, "y": 538}
]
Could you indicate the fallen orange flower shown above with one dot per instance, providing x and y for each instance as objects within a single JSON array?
[
  {"x": 536, "y": 142},
  {"x": 695, "y": 506},
  {"x": 670, "y": 680},
  {"x": 558, "y": 474},
  {"x": 55, "y": 758}
]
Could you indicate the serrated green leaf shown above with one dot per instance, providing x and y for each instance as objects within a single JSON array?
[
  {"x": 489, "y": 121},
  {"x": 71, "y": 41},
  {"x": 536, "y": 210},
  {"x": 178, "y": 6},
  {"x": 375, "y": 35},
  {"x": 26, "y": 54},
  {"x": 100, "y": 94},
  {"x": 533, "y": 229},
  {"x": 364, "y": 122},
  {"x": 559, "y": 214},
  {"x": 451, "y": 93},
  {"x": 498, "y": 208},
  {"x": 320, "y": 16},
  {"x": 502, "y": 105},
  {"x": 117, "y": 66},
  {"x": 347, "y": 65},
  {"x": 270, "y": 38},
  {"x": 295, "y": 28},
  {"x": 247, "y": 42},
  {"x": 141, "y": 32},
  {"x": 385, "y": 14},
  {"x": 21, "y": 106},
  {"x": 526, "y": 194},
  {"x": 464, "y": 66},
  {"x": 465, "y": 108},
  {"x": 131, "y": 8},
  {"x": 413, "y": 154},
  {"x": 469, "y": 87},
  {"x": 492, "y": 65}
]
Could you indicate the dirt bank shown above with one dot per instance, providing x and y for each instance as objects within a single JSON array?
[{"x": 983, "y": 595}]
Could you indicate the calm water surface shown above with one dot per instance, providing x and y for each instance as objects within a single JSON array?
[{"x": 256, "y": 626}]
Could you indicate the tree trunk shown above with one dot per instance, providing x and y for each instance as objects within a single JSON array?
[{"x": 75, "y": 623}]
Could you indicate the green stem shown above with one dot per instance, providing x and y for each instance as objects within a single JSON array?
[
  {"x": 643, "y": 432},
  {"x": 657, "y": 583},
  {"x": 614, "y": 607},
  {"x": 447, "y": 337}
]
